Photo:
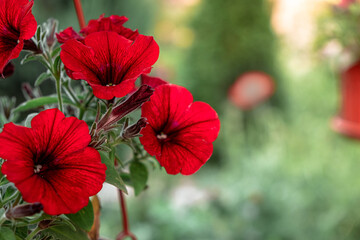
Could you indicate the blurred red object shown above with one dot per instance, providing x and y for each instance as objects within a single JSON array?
[
  {"x": 345, "y": 3},
  {"x": 251, "y": 89},
  {"x": 348, "y": 120}
]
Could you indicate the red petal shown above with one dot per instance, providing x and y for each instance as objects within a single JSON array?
[
  {"x": 67, "y": 34},
  {"x": 200, "y": 121},
  {"x": 67, "y": 186},
  {"x": 16, "y": 24},
  {"x": 113, "y": 24},
  {"x": 108, "y": 92},
  {"x": 152, "y": 81},
  {"x": 186, "y": 156},
  {"x": 167, "y": 101},
  {"x": 16, "y": 143},
  {"x": 58, "y": 135},
  {"x": 28, "y": 24},
  {"x": 141, "y": 55},
  {"x": 17, "y": 147},
  {"x": 79, "y": 60}
]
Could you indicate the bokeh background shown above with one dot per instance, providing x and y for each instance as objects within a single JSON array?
[{"x": 278, "y": 171}]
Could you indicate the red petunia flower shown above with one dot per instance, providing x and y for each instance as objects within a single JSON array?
[
  {"x": 16, "y": 25},
  {"x": 112, "y": 24},
  {"x": 180, "y": 132},
  {"x": 51, "y": 162},
  {"x": 109, "y": 62}
]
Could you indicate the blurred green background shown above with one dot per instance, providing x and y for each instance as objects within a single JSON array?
[{"x": 278, "y": 171}]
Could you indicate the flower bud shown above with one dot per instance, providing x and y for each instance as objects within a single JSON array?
[
  {"x": 132, "y": 103},
  {"x": 24, "y": 210},
  {"x": 51, "y": 28},
  {"x": 27, "y": 91},
  {"x": 45, "y": 223},
  {"x": 134, "y": 130},
  {"x": 31, "y": 46}
]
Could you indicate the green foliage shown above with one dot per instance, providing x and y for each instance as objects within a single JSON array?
[
  {"x": 6, "y": 234},
  {"x": 340, "y": 25},
  {"x": 138, "y": 176},
  {"x": 231, "y": 37},
  {"x": 38, "y": 102},
  {"x": 112, "y": 175},
  {"x": 62, "y": 232},
  {"x": 83, "y": 218}
]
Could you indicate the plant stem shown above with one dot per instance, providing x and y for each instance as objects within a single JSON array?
[
  {"x": 79, "y": 13},
  {"x": 2, "y": 219},
  {"x": 126, "y": 231},
  {"x": 33, "y": 233},
  {"x": 69, "y": 91},
  {"x": 58, "y": 90}
]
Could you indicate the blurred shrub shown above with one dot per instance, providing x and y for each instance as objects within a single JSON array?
[{"x": 231, "y": 37}]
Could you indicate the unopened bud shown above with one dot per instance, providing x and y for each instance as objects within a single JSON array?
[
  {"x": 45, "y": 223},
  {"x": 24, "y": 210},
  {"x": 134, "y": 130},
  {"x": 132, "y": 103},
  {"x": 51, "y": 29},
  {"x": 31, "y": 46},
  {"x": 27, "y": 91}
]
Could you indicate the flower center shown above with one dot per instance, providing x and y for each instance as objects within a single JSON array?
[
  {"x": 110, "y": 84},
  {"x": 37, "y": 168},
  {"x": 161, "y": 136}
]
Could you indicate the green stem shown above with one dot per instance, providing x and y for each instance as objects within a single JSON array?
[
  {"x": 58, "y": 90},
  {"x": 69, "y": 91},
  {"x": 33, "y": 233},
  {"x": 82, "y": 112},
  {"x": 2, "y": 219},
  {"x": 85, "y": 106}
]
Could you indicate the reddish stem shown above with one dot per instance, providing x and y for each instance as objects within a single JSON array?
[
  {"x": 126, "y": 231},
  {"x": 79, "y": 13}
]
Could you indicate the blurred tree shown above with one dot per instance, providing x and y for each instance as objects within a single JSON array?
[{"x": 231, "y": 37}]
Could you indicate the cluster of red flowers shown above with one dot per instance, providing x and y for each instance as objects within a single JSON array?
[{"x": 53, "y": 162}]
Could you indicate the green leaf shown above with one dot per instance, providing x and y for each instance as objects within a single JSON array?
[
  {"x": 38, "y": 102},
  {"x": 6, "y": 234},
  {"x": 56, "y": 52},
  {"x": 83, "y": 218},
  {"x": 30, "y": 57},
  {"x": 112, "y": 176},
  {"x": 64, "y": 232},
  {"x": 38, "y": 32},
  {"x": 138, "y": 176},
  {"x": 41, "y": 78},
  {"x": 57, "y": 64}
]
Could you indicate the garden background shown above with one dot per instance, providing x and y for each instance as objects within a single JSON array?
[{"x": 278, "y": 171}]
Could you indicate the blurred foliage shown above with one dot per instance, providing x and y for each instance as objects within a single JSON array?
[
  {"x": 301, "y": 184},
  {"x": 231, "y": 37},
  {"x": 338, "y": 25}
]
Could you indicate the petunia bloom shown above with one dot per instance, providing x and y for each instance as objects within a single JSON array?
[
  {"x": 180, "y": 132},
  {"x": 16, "y": 25},
  {"x": 51, "y": 162},
  {"x": 113, "y": 23},
  {"x": 109, "y": 62}
]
